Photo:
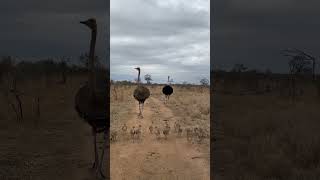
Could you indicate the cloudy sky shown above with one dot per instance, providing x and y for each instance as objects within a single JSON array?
[
  {"x": 163, "y": 37},
  {"x": 253, "y": 32},
  {"x": 37, "y": 28}
]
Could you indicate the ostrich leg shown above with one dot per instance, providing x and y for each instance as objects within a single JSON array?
[
  {"x": 166, "y": 99},
  {"x": 96, "y": 160},
  {"x": 142, "y": 107},
  {"x": 140, "y": 110},
  {"x": 99, "y": 169},
  {"x": 142, "y": 104}
]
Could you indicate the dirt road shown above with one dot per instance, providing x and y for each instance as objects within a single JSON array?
[{"x": 151, "y": 158}]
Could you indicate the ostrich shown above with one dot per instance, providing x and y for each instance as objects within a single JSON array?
[
  {"x": 157, "y": 132},
  {"x": 150, "y": 129},
  {"x": 138, "y": 132},
  {"x": 113, "y": 136},
  {"x": 179, "y": 131},
  {"x": 166, "y": 131},
  {"x": 167, "y": 90},
  {"x": 124, "y": 128},
  {"x": 141, "y": 93},
  {"x": 189, "y": 134},
  {"x": 91, "y": 100},
  {"x": 132, "y": 132}
]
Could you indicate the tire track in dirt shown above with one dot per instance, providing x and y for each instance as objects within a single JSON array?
[{"x": 150, "y": 158}]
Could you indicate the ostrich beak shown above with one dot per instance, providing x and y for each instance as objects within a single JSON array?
[{"x": 84, "y": 22}]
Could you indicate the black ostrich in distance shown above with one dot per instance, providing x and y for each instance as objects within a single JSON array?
[
  {"x": 167, "y": 90},
  {"x": 141, "y": 93},
  {"x": 91, "y": 100}
]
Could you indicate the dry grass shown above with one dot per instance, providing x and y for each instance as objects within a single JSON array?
[
  {"x": 58, "y": 147},
  {"x": 270, "y": 137},
  {"x": 191, "y": 105},
  {"x": 121, "y": 103},
  {"x": 173, "y": 155}
]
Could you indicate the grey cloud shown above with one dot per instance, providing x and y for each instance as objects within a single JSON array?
[
  {"x": 51, "y": 28},
  {"x": 254, "y": 32},
  {"x": 163, "y": 37}
]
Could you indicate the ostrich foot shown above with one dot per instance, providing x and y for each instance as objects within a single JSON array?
[
  {"x": 140, "y": 116},
  {"x": 99, "y": 173},
  {"x": 94, "y": 166}
]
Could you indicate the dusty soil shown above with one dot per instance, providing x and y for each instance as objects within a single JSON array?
[
  {"x": 152, "y": 158},
  {"x": 60, "y": 147}
]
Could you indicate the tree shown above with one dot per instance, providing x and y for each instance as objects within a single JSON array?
[
  {"x": 299, "y": 64},
  {"x": 171, "y": 80},
  {"x": 6, "y": 65},
  {"x": 63, "y": 66},
  {"x": 204, "y": 81},
  {"x": 148, "y": 78},
  {"x": 239, "y": 68},
  {"x": 185, "y": 83},
  {"x": 84, "y": 60}
]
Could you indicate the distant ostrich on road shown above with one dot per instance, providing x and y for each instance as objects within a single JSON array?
[
  {"x": 91, "y": 100},
  {"x": 141, "y": 93},
  {"x": 167, "y": 90}
]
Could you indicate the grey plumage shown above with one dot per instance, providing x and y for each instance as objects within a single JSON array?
[
  {"x": 141, "y": 93},
  {"x": 92, "y": 99},
  {"x": 93, "y": 110}
]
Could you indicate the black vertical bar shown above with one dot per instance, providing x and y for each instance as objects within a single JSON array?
[{"x": 108, "y": 90}]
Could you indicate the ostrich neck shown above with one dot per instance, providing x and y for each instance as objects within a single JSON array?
[
  {"x": 139, "y": 77},
  {"x": 92, "y": 83}
]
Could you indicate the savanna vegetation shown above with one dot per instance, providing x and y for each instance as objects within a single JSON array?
[{"x": 270, "y": 123}]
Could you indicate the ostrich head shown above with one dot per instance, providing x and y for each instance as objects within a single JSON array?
[
  {"x": 137, "y": 68},
  {"x": 91, "y": 23}
]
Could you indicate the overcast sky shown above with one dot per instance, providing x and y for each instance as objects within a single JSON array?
[
  {"x": 253, "y": 32},
  {"x": 37, "y": 28},
  {"x": 162, "y": 37}
]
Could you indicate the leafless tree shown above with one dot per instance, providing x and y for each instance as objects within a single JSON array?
[
  {"x": 148, "y": 78},
  {"x": 239, "y": 68},
  {"x": 63, "y": 66},
  {"x": 299, "y": 64},
  {"x": 17, "y": 94},
  {"x": 303, "y": 58},
  {"x": 204, "y": 81},
  {"x": 84, "y": 60}
]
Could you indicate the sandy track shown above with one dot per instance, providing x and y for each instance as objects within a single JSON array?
[{"x": 150, "y": 158}]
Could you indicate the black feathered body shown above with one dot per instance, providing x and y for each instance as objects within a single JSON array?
[
  {"x": 167, "y": 90},
  {"x": 141, "y": 93},
  {"x": 94, "y": 110}
]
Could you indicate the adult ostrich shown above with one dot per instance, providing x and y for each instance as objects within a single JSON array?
[
  {"x": 141, "y": 93},
  {"x": 167, "y": 90},
  {"x": 91, "y": 100}
]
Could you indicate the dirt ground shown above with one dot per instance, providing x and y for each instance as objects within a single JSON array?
[
  {"x": 150, "y": 157},
  {"x": 59, "y": 146},
  {"x": 269, "y": 136}
]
